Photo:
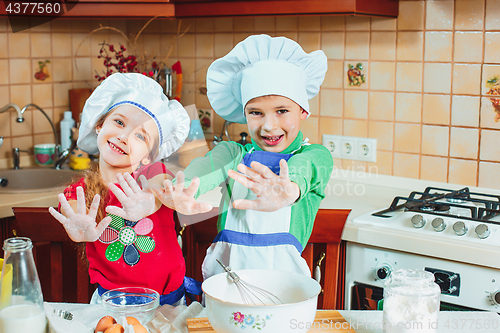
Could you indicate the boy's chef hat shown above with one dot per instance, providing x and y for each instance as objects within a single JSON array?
[
  {"x": 145, "y": 94},
  {"x": 259, "y": 66}
]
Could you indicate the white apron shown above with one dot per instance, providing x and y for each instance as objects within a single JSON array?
[{"x": 255, "y": 239}]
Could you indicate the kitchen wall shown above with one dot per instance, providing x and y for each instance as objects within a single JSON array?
[{"x": 427, "y": 97}]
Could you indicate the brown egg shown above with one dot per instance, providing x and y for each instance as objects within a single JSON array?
[
  {"x": 138, "y": 328},
  {"x": 104, "y": 323},
  {"x": 132, "y": 321},
  {"x": 116, "y": 328}
]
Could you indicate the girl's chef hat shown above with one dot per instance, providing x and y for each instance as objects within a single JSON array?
[
  {"x": 259, "y": 66},
  {"x": 145, "y": 94}
]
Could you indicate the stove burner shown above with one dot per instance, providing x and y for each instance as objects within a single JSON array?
[
  {"x": 432, "y": 207},
  {"x": 455, "y": 200}
]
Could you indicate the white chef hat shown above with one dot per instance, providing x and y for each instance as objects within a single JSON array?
[
  {"x": 262, "y": 65},
  {"x": 147, "y": 95}
]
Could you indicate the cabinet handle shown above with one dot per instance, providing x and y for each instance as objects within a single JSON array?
[
  {"x": 14, "y": 232},
  {"x": 179, "y": 237},
  {"x": 317, "y": 269}
]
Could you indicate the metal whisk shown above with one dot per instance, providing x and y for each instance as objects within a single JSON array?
[{"x": 249, "y": 293}]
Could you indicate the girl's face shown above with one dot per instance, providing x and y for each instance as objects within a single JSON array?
[
  {"x": 126, "y": 138},
  {"x": 273, "y": 121}
]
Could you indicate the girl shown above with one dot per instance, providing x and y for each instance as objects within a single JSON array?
[{"x": 132, "y": 125}]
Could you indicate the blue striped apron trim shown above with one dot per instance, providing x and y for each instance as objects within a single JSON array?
[
  {"x": 189, "y": 285},
  {"x": 143, "y": 108},
  {"x": 242, "y": 238}
]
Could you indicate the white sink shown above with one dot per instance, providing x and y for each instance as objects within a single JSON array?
[{"x": 35, "y": 180}]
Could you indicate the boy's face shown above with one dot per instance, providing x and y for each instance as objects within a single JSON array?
[
  {"x": 126, "y": 137},
  {"x": 273, "y": 121}
]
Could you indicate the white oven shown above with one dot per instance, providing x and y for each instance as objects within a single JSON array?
[{"x": 455, "y": 234}]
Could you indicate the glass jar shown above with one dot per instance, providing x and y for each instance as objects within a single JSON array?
[
  {"x": 411, "y": 302},
  {"x": 21, "y": 300}
]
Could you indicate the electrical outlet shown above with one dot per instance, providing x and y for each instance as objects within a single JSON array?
[{"x": 351, "y": 148}]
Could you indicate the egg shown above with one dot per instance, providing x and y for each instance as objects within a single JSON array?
[
  {"x": 138, "y": 328},
  {"x": 104, "y": 323},
  {"x": 116, "y": 328},
  {"x": 132, "y": 321}
]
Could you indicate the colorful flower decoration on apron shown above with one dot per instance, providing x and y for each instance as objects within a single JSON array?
[{"x": 127, "y": 238}]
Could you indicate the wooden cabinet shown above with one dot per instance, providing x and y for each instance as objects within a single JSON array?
[
  {"x": 222, "y": 8},
  {"x": 325, "y": 239}
]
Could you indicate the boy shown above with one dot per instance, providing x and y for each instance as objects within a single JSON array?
[{"x": 268, "y": 208}]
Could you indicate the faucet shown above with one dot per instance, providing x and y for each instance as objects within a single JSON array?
[
  {"x": 16, "y": 152},
  {"x": 59, "y": 157},
  {"x": 218, "y": 139},
  {"x": 14, "y": 106}
]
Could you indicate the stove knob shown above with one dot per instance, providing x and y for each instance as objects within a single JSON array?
[
  {"x": 383, "y": 273},
  {"x": 482, "y": 231},
  {"x": 495, "y": 297},
  {"x": 418, "y": 221},
  {"x": 438, "y": 224},
  {"x": 460, "y": 228}
]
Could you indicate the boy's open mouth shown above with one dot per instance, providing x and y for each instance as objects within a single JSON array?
[
  {"x": 272, "y": 140},
  {"x": 116, "y": 148}
]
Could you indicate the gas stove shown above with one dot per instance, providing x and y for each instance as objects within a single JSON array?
[
  {"x": 455, "y": 214},
  {"x": 454, "y": 234}
]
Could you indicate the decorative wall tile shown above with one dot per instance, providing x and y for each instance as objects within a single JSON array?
[
  {"x": 439, "y": 15},
  {"x": 465, "y": 111},
  {"x": 406, "y": 165},
  {"x": 436, "y": 109},
  {"x": 468, "y": 46},
  {"x": 490, "y": 147},
  {"x": 464, "y": 142},
  {"x": 488, "y": 175},
  {"x": 383, "y": 23},
  {"x": 410, "y": 46},
  {"x": 434, "y": 168},
  {"x": 435, "y": 140},
  {"x": 408, "y": 107},
  {"x": 355, "y": 128},
  {"x": 332, "y": 23},
  {"x": 409, "y": 77},
  {"x": 356, "y": 104},
  {"x": 331, "y": 103},
  {"x": 332, "y": 43},
  {"x": 357, "y": 23},
  {"x": 383, "y": 131},
  {"x": 469, "y": 14},
  {"x": 492, "y": 47},
  {"x": 467, "y": 79},
  {"x": 438, "y": 46},
  {"x": 334, "y": 75},
  {"x": 357, "y": 45},
  {"x": 382, "y": 75},
  {"x": 411, "y": 15},
  {"x": 407, "y": 138},
  {"x": 462, "y": 172},
  {"x": 437, "y": 78},
  {"x": 310, "y": 41},
  {"x": 356, "y": 74},
  {"x": 381, "y": 105},
  {"x": 489, "y": 75},
  {"x": 489, "y": 114},
  {"x": 383, "y": 46},
  {"x": 492, "y": 15}
]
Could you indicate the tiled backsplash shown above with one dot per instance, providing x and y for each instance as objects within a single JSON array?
[{"x": 424, "y": 95}]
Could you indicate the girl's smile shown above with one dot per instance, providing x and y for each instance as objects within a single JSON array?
[{"x": 273, "y": 121}]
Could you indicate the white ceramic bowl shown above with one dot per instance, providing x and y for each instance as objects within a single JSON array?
[
  {"x": 137, "y": 302},
  {"x": 227, "y": 314}
]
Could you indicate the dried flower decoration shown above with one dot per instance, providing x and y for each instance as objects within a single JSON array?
[
  {"x": 136, "y": 61},
  {"x": 494, "y": 85}
]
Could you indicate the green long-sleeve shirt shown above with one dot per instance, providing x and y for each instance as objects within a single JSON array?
[{"x": 310, "y": 168}]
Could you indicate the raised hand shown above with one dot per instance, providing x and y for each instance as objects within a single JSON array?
[
  {"x": 179, "y": 198},
  {"x": 136, "y": 202},
  {"x": 273, "y": 192},
  {"x": 80, "y": 226}
]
